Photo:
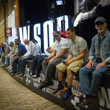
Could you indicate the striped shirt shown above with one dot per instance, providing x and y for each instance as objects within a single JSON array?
[{"x": 63, "y": 44}]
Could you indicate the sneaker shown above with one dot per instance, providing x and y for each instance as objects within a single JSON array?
[
  {"x": 34, "y": 76},
  {"x": 21, "y": 75},
  {"x": 7, "y": 67},
  {"x": 43, "y": 84},
  {"x": 10, "y": 70},
  {"x": 13, "y": 73},
  {"x": 86, "y": 102},
  {"x": 18, "y": 73},
  {"x": 59, "y": 89},
  {"x": 67, "y": 94}
]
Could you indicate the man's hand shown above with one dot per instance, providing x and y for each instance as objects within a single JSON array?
[
  {"x": 13, "y": 55},
  {"x": 68, "y": 62},
  {"x": 101, "y": 65},
  {"x": 47, "y": 59},
  {"x": 22, "y": 57},
  {"x": 7, "y": 54},
  {"x": 90, "y": 64},
  {"x": 50, "y": 60}
]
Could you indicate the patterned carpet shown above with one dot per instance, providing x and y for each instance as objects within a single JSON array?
[{"x": 14, "y": 96}]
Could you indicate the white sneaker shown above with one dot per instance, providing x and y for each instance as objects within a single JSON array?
[{"x": 34, "y": 76}]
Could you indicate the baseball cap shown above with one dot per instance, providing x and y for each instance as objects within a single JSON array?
[
  {"x": 56, "y": 32},
  {"x": 100, "y": 20}
]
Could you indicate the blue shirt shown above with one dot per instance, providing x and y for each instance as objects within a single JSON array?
[
  {"x": 0, "y": 49},
  {"x": 105, "y": 47},
  {"x": 22, "y": 49}
]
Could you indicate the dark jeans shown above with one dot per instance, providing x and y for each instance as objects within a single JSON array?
[
  {"x": 14, "y": 63},
  {"x": 49, "y": 69},
  {"x": 22, "y": 63},
  {"x": 37, "y": 64}
]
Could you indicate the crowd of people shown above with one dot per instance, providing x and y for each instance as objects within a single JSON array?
[{"x": 66, "y": 54}]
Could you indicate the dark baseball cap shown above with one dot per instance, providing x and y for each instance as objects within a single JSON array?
[
  {"x": 56, "y": 32},
  {"x": 100, "y": 20}
]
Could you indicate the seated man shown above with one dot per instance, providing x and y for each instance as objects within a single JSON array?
[
  {"x": 99, "y": 62},
  {"x": 9, "y": 54},
  {"x": 37, "y": 62},
  {"x": 59, "y": 53},
  {"x": 78, "y": 53},
  {"x": 31, "y": 52},
  {"x": 12, "y": 56},
  {"x": 21, "y": 51},
  {"x": 38, "y": 46},
  {"x": 4, "y": 52},
  {"x": 0, "y": 49}
]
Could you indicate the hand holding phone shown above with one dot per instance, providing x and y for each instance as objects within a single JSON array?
[{"x": 64, "y": 62}]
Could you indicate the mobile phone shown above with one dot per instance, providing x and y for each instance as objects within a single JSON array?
[{"x": 63, "y": 62}]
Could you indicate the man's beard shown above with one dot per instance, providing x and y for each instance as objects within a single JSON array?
[{"x": 100, "y": 30}]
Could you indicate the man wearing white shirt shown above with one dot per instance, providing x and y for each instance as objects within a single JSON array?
[{"x": 31, "y": 52}]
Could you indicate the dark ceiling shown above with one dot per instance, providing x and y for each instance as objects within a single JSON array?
[{"x": 37, "y": 10}]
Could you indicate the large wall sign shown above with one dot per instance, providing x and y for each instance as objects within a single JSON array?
[
  {"x": 47, "y": 36},
  {"x": 104, "y": 98},
  {"x": 37, "y": 32},
  {"x": 24, "y": 33},
  {"x": 60, "y": 21}
]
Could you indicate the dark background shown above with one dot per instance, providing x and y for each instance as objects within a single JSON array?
[{"x": 38, "y": 11}]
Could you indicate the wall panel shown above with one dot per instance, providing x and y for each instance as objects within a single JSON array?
[{"x": 2, "y": 33}]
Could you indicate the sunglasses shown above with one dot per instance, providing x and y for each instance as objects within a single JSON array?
[{"x": 99, "y": 23}]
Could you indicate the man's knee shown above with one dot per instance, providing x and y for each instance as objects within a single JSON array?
[
  {"x": 68, "y": 71},
  {"x": 82, "y": 70},
  {"x": 13, "y": 60},
  {"x": 44, "y": 63},
  {"x": 6, "y": 56},
  {"x": 96, "y": 74},
  {"x": 51, "y": 64},
  {"x": 24, "y": 59},
  {"x": 35, "y": 59}
]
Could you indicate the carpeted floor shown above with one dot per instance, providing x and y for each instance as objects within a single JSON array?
[{"x": 14, "y": 96}]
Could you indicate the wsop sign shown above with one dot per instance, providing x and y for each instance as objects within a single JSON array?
[
  {"x": 76, "y": 88},
  {"x": 104, "y": 93},
  {"x": 104, "y": 98}
]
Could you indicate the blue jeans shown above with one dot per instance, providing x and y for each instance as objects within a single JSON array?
[
  {"x": 7, "y": 59},
  {"x": 97, "y": 74},
  {"x": 14, "y": 64},
  {"x": 22, "y": 64}
]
